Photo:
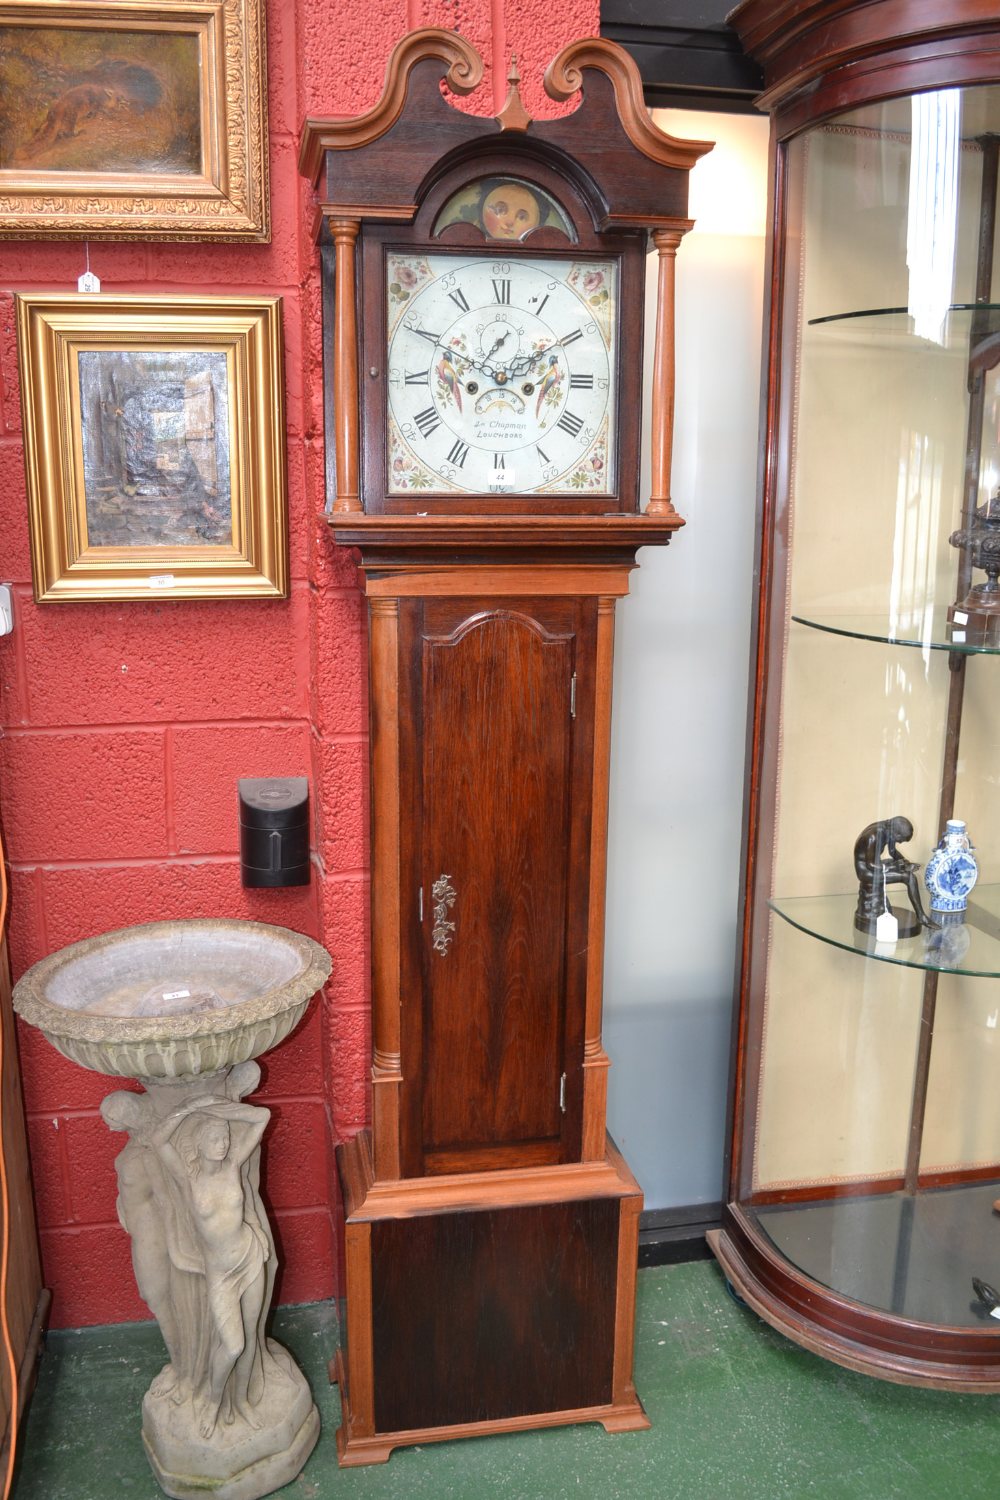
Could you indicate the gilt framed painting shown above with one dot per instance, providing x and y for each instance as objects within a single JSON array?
[
  {"x": 135, "y": 120},
  {"x": 154, "y": 436}
]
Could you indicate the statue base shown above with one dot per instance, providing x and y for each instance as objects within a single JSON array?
[
  {"x": 230, "y": 1415},
  {"x": 909, "y": 923},
  {"x": 238, "y": 1462},
  {"x": 976, "y": 621}
]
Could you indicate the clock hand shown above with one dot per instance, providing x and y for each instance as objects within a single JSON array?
[
  {"x": 486, "y": 367},
  {"x": 524, "y": 362},
  {"x": 481, "y": 365},
  {"x": 448, "y": 349}
]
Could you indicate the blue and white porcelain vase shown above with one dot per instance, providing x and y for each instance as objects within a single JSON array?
[{"x": 952, "y": 870}]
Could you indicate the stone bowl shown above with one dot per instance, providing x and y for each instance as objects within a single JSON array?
[{"x": 173, "y": 999}]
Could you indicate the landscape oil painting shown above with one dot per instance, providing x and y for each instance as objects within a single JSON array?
[
  {"x": 155, "y": 435},
  {"x": 100, "y": 101}
]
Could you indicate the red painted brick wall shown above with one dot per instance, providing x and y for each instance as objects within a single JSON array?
[{"x": 126, "y": 727}]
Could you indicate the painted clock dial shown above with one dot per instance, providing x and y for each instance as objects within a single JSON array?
[{"x": 501, "y": 374}]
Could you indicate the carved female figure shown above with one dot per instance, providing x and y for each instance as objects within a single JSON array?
[
  {"x": 204, "y": 1148},
  {"x": 144, "y": 1211}
]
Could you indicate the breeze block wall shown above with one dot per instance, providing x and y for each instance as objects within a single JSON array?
[{"x": 125, "y": 727}]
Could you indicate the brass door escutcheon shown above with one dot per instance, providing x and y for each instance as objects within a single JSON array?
[{"x": 444, "y": 894}]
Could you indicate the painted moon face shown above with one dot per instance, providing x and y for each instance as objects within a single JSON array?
[{"x": 510, "y": 211}]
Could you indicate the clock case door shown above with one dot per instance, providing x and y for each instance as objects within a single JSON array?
[
  {"x": 627, "y": 249},
  {"x": 497, "y": 769}
]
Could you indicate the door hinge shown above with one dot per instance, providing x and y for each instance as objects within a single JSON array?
[
  {"x": 420, "y": 902},
  {"x": 562, "y": 1094},
  {"x": 572, "y": 696}
]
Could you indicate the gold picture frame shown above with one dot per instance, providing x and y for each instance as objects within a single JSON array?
[
  {"x": 154, "y": 440},
  {"x": 132, "y": 119}
]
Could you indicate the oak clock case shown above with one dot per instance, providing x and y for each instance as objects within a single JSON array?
[
  {"x": 866, "y": 1132},
  {"x": 483, "y": 432}
]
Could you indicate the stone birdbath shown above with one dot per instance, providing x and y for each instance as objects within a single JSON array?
[{"x": 185, "y": 1007}]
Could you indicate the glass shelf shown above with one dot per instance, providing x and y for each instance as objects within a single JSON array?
[
  {"x": 913, "y": 1255},
  {"x": 895, "y": 325},
  {"x": 900, "y": 312},
  {"x": 972, "y": 947},
  {"x": 929, "y": 631}
]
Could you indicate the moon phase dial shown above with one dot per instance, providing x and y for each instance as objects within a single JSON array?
[{"x": 501, "y": 376}]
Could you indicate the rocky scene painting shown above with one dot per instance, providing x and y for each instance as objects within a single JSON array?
[
  {"x": 99, "y": 100},
  {"x": 155, "y": 438}
]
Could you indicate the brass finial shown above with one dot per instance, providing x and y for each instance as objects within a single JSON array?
[{"x": 513, "y": 116}]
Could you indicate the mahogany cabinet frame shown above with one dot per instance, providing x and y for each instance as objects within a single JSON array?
[{"x": 819, "y": 60}]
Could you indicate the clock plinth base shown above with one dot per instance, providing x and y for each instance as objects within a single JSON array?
[
  {"x": 487, "y": 1302},
  {"x": 357, "y": 1452}
]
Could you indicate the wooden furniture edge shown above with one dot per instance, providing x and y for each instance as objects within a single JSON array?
[
  {"x": 406, "y": 556},
  {"x": 386, "y": 942},
  {"x": 27, "y": 1370},
  {"x": 488, "y": 580},
  {"x": 624, "y": 1417},
  {"x": 595, "y": 1060},
  {"x": 623, "y": 1354},
  {"x": 358, "y": 1442},
  {"x": 357, "y": 1170},
  {"x": 767, "y": 29},
  {"x": 357, "y": 1391},
  {"x": 521, "y": 531},
  {"x": 463, "y": 73},
  {"x": 510, "y": 1187},
  {"x": 792, "y": 43},
  {"x": 932, "y": 1178},
  {"x": 564, "y": 78},
  {"x": 893, "y": 1366}
]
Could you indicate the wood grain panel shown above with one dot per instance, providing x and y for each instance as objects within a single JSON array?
[
  {"x": 385, "y": 893},
  {"x": 24, "y": 1292},
  {"x": 496, "y": 777},
  {"x": 527, "y": 1324}
]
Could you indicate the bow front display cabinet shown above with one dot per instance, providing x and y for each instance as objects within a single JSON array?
[
  {"x": 863, "y": 1218},
  {"x": 484, "y": 285}
]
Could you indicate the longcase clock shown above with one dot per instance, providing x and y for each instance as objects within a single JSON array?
[{"x": 485, "y": 283}]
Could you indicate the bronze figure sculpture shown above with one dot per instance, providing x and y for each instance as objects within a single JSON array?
[{"x": 879, "y": 864}]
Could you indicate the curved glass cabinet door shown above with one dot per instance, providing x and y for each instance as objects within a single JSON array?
[{"x": 866, "y": 1158}]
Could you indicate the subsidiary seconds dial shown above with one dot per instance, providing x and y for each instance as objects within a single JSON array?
[{"x": 501, "y": 375}]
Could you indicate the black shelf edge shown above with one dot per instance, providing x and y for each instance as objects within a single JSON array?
[
  {"x": 687, "y": 56},
  {"x": 668, "y": 1236}
]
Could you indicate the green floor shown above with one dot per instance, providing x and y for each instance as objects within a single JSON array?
[{"x": 736, "y": 1411}]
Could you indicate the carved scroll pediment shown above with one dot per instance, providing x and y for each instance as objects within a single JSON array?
[{"x": 381, "y": 163}]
